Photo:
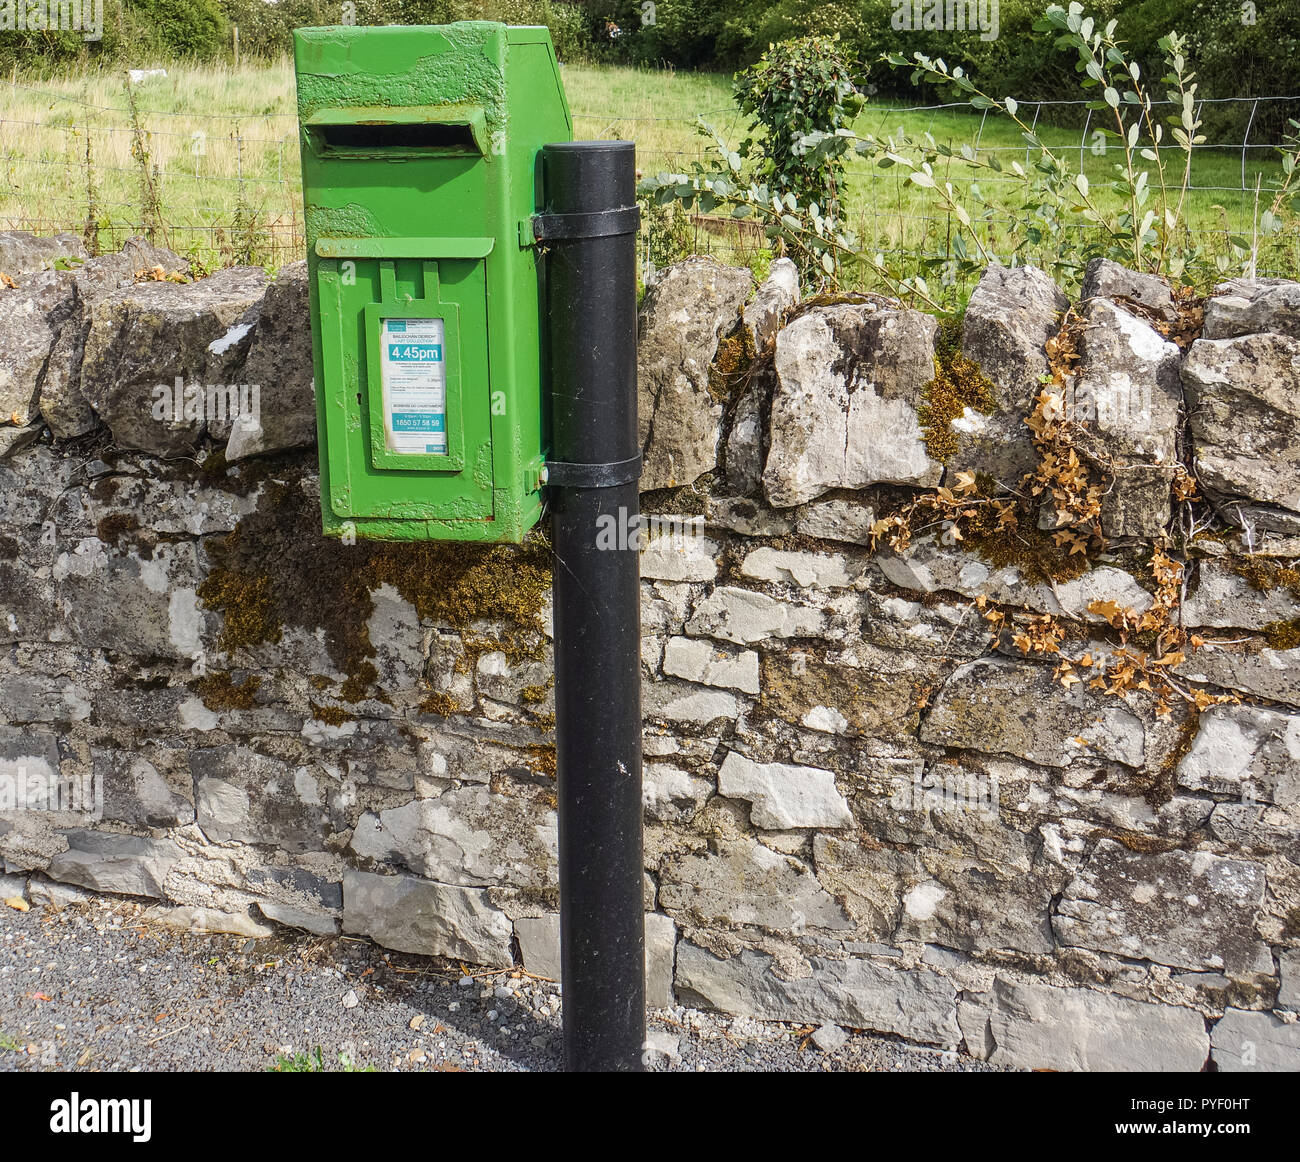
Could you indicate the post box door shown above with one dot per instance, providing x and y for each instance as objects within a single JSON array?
[{"x": 410, "y": 432}]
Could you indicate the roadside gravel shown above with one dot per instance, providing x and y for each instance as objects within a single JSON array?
[{"x": 94, "y": 986}]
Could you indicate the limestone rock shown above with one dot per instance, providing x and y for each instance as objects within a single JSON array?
[
  {"x": 294, "y": 917},
  {"x": 298, "y": 899},
  {"x": 1246, "y": 307},
  {"x": 468, "y": 835},
  {"x": 1249, "y": 1042},
  {"x": 106, "y": 862},
  {"x": 749, "y": 518},
  {"x": 22, "y": 252},
  {"x": 679, "y": 555},
  {"x": 1245, "y": 751},
  {"x": 1268, "y": 673},
  {"x": 806, "y": 570},
  {"x": 1126, "y": 396},
  {"x": 244, "y": 796},
  {"x": 136, "y": 792},
  {"x": 704, "y": 662},
  {"x": 783, "y": 796},
  {"x": 967, "y": 904},
  {"x": 745, "y": 883},
  {"x": 192, "y": 919},
  {"x": 413, "y": 915},
  {"x": 28, "y": 754},
  {"x": 688, "y": 309},
  {"x": 1190, "y": 910},
  {"x": 1288, "y": 995},
  {"x": 776, "y": 294},
  {"x": 121, "y": 601},
  {"x": 844, "y": 408},
  {"x": 744, "y": 617},
  {"x": 837, "y": 519},
  {"x": 149, "y": 336},
  {"x": 1244, "y": 402},
  {"x": 62, "y": 404},
  {"x": 1103, "y": 278},
  {"x": 870, "y": 882},
  {"x": 279, "y": 361},
  {"x": 1002, "y": 706},
  {"x": 1038, "y": 1026},
  {"x": 929, "y": 566},
  {"x": 1256, "y": 829},
  {"x": 747, "y": 438},
  {"x": 676, "y": 702},
  {"x": 915, "y": 1003},
  {"x": 1224, "y": 599},
  {"x": 673, "y": 795},
  {"x": 1009, "y": 318},
  {"x": 31, "y": 317}
]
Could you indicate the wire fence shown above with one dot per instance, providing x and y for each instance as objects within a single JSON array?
[{"x": 219, "y": 187}]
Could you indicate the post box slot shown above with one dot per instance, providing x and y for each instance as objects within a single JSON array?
[{"x": 374, "y": 137}]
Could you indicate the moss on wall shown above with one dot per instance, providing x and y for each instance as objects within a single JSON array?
[
  {"x": 277, "y": 570},
  {"x": 958, "y": 384},
  {"x": 220, "y": 692}
]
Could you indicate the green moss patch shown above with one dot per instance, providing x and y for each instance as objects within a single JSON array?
[
  {"x": 730, "y": 367},
  {"x": 1264, "y": 574},
  {"x": 958, "y": 384},
  {"x": 219, "y": 692},
  {"x": 277, "y": 569},
  {"x": 1283, "y": 635}
]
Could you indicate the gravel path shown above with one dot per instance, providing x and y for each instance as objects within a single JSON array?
[{"x": 94, "y": 986}]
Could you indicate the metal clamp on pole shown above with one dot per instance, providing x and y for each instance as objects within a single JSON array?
[
  {"x": 591, "y": 224},
  {"x": 561, "y": 475},
  {"x": 590, "y": 280}
]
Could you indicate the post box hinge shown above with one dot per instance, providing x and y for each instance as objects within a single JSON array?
[
  {"x": 596, "y": 224},
  {"x": 561, "y": 475}
]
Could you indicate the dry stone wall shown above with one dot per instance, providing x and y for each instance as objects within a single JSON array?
[{"x": 873, "y": 795}]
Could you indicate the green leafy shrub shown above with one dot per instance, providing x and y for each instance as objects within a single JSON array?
[
  {"x": 801, "y": 101},
  {"x": 799, "y": 87}
]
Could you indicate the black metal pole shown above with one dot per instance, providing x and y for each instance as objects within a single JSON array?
[{"x": 589, "y": 228}]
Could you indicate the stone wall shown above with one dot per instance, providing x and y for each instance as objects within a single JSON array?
[{"x": 1005, "y": 781}]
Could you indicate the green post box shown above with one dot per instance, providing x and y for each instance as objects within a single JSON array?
[{"x": 420, "y": 179}]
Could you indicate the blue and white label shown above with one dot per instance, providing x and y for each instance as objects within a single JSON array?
[{"x": 414, "y": 374}]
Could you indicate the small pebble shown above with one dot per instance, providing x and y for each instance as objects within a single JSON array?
[{"x": 830, "y": 1038}]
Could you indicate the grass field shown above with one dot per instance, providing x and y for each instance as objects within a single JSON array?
[{"x": 223, "y": 142}]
